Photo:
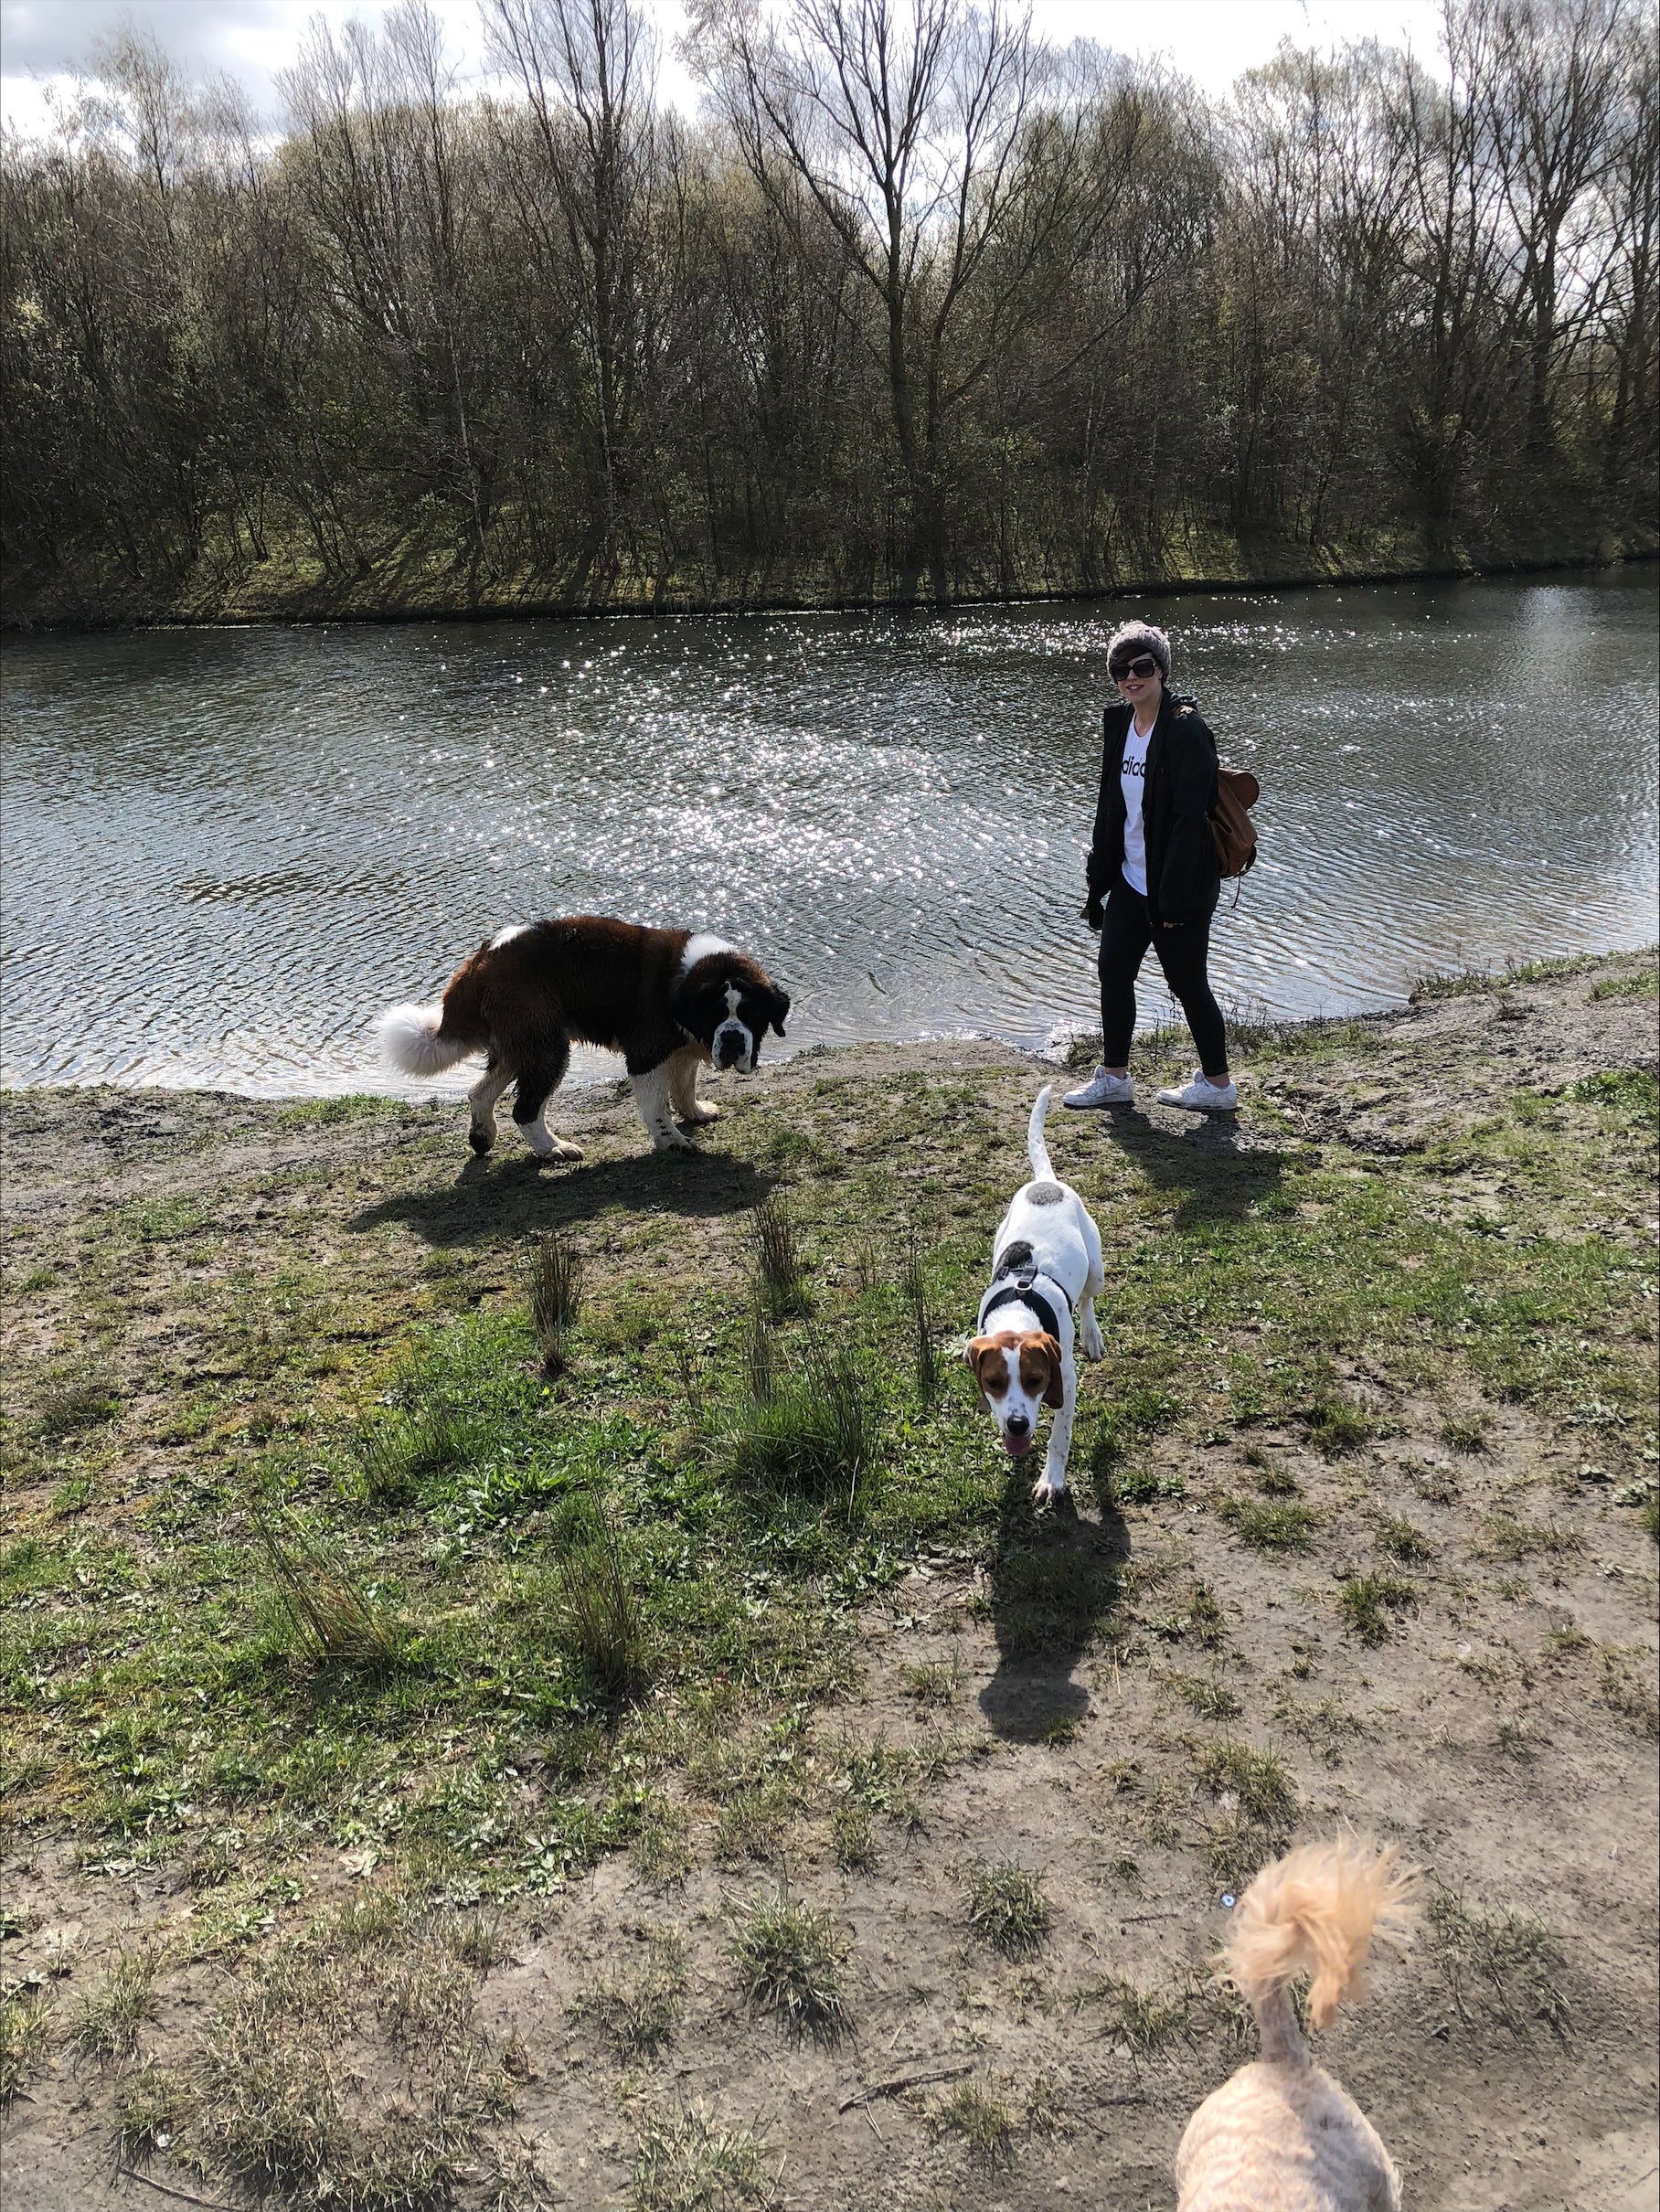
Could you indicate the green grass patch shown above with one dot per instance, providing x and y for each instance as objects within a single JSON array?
[
  {"x": 1368, "y": 1604},
  {"x": 790, "y": 1960},
  {"x": 1005, "y": 1907}
]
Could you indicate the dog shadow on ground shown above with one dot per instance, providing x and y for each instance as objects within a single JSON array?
[
  {"x": 518, "y": 1196},
  {"x": 1220, "y": 1170},
  {"x": 1055, "y": 1578}
]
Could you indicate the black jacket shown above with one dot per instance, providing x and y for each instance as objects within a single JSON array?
[{"x": 1184, "y": 876}]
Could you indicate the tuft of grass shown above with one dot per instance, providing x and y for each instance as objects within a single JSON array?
[
  {"x": 761, "y": 1360},
  {"x": 1260, "y": 1783},
  {"x": 924, "y": 1352},
  {"x": 1467, "y": 1432},
  {"x": 1504, "y": 1962},
  {"x": 1627, "y": 1090},
  {"x": 1641, "y": 985},
  {"x": 1266, "y": 1525},
  {"x": 853, "y": 1835},
  {"x": 107, "y": 2020},
  {"x": 1144, "y": 2019},
  {"x": 753, "y": 1821},
  {"x": 1198, "y": 1619},
  {"x": 687, "y": 2163},
  {"x": 984, "y": 2121},
  {"x": 598, "y": 1615},
  {"x": 1007, "y": 1906},
  {"x": 1335, "y": 1427},
  {"x": 660, "y": 1845},
  {"x": 331, "y": 1621},
  {"x": 1507, "y": 1538},
  {"x": 932, "y": 1682},
  {"x": 639, "y": 2010},
  {"x": 817, "y": 1432},
  {"x": 25, "y": 2037},
  {"x": 1325, "y": 1727},
  {"x": 395, "y": 1454},
  {"x": 1405, "y": 1541},
  {"x": 790, "y": 1961},
  {"x": 779, "y": 1272},
  {"x": 555, "y": 1269},
  {"x": 151, "y": 2105},
  {"x": 72, "y": 1406},
  {"x": 1366, "y": 1601},
  {"x": 1211, "y": 1700}
]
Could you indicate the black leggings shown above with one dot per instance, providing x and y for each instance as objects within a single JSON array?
[{"x": 1183, "y": 952}]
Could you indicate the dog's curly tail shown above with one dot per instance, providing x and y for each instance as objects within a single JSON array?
[
  {"x": 1315, "y": 1910},
  {"x": 1037, "y": 1149}
]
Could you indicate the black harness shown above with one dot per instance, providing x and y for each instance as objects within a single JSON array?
[{"x": 1016, "y": 1273}]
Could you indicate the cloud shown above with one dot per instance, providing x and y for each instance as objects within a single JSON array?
[{"x": 50, "y": 35}]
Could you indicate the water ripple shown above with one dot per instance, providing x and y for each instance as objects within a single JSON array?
[{"x": 225, "y": 851}]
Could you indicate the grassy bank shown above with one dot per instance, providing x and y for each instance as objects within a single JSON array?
[
  {"x": 533, "y": 1686},
  {"x": 410, "y": 583}
]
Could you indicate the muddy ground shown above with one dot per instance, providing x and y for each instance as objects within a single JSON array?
[{"x": 1363, "y": 1532}]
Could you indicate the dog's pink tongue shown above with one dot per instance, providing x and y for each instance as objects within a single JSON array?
[{"x": 1018, "y": 1451}]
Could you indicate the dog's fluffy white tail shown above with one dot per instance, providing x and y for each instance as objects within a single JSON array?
[
  {"x": 410, "y": 1042},
  {"x": 1037, "y": 1150},
  {"x": 1315, "y": 1910}
]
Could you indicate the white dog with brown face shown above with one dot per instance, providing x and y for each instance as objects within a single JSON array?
[{"x": 1045, "y": 1260}]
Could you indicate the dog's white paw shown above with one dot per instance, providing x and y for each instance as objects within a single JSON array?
[
  {"x": 671, "y": 1140},
  {"x": 537, "y": 1139},
  {"x": 564, "y": 1149},
  {"x": 1093, "y": 1348},
  {"x": 1048, "y": 1488}
]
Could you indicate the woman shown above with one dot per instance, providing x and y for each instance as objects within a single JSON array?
[{"x": 1153, "y": 873}]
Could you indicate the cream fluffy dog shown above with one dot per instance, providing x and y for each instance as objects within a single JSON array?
[{"x": 1281, "y": 2136}]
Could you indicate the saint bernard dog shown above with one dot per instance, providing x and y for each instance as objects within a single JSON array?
[{"x": 667, "y": 1000}]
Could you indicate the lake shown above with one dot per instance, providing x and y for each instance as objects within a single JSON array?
[{"x": 226, "y": 850}]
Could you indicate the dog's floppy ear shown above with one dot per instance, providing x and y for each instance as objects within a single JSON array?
[
  {"x": 781, "y": 1006},
  {"x": 1055, "y": 1389},
  {"x": 972, "y": 1351}
]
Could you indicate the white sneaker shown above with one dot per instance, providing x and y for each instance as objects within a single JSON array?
[
  {"x": 1202, "y": 1096},
  {"x": 1102, "y": 1089}
]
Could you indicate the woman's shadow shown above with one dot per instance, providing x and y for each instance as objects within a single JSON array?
[{"x": 1055, "y": 1578}]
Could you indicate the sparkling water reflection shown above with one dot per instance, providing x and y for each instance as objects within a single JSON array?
[{"x": 224, "y": 851}]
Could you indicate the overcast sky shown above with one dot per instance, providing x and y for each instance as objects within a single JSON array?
[{"x": 1209, "y": 40}]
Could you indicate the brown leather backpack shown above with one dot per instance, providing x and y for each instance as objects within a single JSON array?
[{"x": 1231, "y": 828}]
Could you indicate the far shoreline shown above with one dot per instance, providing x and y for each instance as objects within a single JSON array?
[{"x": 309, "y": 611}]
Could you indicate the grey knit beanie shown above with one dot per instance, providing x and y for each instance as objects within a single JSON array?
[{"x": 1140, "y": 637}]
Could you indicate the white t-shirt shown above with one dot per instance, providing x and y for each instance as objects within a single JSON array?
[{"x": 1132, "y": 778}]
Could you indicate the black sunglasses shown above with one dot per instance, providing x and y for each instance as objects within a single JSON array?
[{"x": 1146, "y": 665}]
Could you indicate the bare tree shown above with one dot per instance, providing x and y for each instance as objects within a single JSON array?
[{"x": 587, "y": 70}]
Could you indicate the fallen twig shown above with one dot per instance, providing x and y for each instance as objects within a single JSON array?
[
  {"x": 896, "y": 2082},
  {"x": 184, "y": 2197}
]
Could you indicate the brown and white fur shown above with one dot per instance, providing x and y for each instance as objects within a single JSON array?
[
  {"x": 1048, "y": 1242},
  {"x": 668, "y": 1000},
  {"x": 1281, "y": 2136}
]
